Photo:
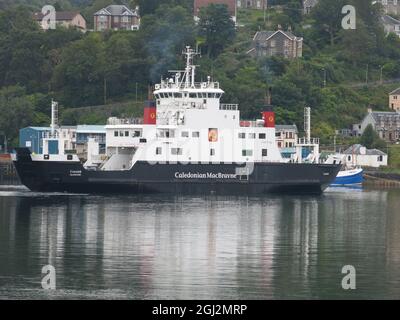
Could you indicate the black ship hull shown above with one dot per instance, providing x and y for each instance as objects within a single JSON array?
[{"x": 175, "y": 178}]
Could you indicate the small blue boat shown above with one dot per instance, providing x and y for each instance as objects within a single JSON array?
[{"x": 349, "y": 177}]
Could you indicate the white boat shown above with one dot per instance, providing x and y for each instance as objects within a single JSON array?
[{"x": 349, "y": 177}]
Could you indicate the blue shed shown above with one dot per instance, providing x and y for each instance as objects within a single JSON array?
[{"x": 32, "y": 138}]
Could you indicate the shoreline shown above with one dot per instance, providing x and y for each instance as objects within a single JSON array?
[{"x": 380, "y": 178}]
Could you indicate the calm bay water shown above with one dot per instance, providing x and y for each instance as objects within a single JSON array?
[{"x": 162, "y": 247}]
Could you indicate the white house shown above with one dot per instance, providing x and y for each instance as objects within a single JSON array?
[{"x": 358, "y": 155}]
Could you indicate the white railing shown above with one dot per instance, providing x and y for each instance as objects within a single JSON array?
[
  {"x": 197, "y": 85},
  {"x": 117, "y": 121},
  {"x": 305, "y": 141},
  {"x": 49, "y": 135}
]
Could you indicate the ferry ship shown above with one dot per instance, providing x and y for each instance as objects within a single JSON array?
[{"x": 187, "y": 142}]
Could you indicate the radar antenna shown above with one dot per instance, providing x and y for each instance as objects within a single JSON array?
[{"x": 190, "y": 70}]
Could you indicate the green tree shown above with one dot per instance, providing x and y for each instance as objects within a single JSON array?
[
  {"x": 357, "y": 44},
  {"x": 327, "y": 15},
  {"x": 79, "y": 78},
  {"x": 165, "y": 34},
  {"x": 294, "y": 10},
  {"x": 217, "y": 27},
  {"x": 371, "y": 139},
  {"x": 21, "y": 55},
  {"x": 125, "y": 64},
  {"x": 151, "y": 6},
  {"x": 16, "y": 112}
]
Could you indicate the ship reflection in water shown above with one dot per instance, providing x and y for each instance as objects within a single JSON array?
[{"x": 159, "y": 247}]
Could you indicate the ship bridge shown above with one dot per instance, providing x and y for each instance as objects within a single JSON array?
[{"x": 178, "y": 95}]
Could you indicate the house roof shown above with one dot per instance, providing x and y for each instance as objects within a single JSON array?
[
  {"x": 377, "y": 115},
  {"x": 262, "y": 36},
  {"x": 390, "y": 20},
  {"x": 356, "y": 150},
  {"x": 397, "y": 91},
  {"x": 282, "y": 127},
  {"x": 116, "y": 10},
  {"x": 38, "y": 128},
  {"x": 60, "y": 15}
]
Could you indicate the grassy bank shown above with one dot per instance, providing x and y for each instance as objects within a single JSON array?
[{"x": 394, "y": 160}]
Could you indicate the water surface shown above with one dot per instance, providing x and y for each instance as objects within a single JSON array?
[{"x": 188, "y": 247}]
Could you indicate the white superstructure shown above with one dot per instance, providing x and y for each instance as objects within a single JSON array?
[{"x": 191, "y": 126}]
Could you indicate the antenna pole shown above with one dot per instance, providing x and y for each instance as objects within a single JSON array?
[
  {"x": 54, "y": 116},
  {"x": 307, "y": 123}
]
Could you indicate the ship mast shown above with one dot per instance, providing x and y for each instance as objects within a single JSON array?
[{"x": 190, "y": 70}]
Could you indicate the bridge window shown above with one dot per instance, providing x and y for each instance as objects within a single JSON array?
[
  {"x": 195, "y": 134},
  {"x": 126, "y": 133},
  {"x": 158, "y": 150},
  {"x": 115, "y": 133},
  {"x": 212, "y": 152},
  {"x": 185, "y": 134},
  {"x": 262, "y": 136},
  {"x": 252, "y": 135},
  {"x": 242, "y": 135}
]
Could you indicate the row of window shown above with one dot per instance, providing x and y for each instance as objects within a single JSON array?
[
  {"x": 184, "y": 134},
  {"x": 171, "y": 134},
  {"x": 288, "y": 135},
  {"x": 179, "y": 152},
  {"x": 287, "y": 144},
  {"x": 126, "y": 134},
  {"x": 201, "y": 95},
  {"x": 116, "y": 19},
  {"x": 242, "y": 135}
]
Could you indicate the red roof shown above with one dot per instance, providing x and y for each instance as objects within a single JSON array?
[{"x": 204, "y": 3}]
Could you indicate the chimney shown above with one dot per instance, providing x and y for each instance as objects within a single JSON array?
[
  {"x": 150, "y": 92},
  {"x": 270, "y": 95}
]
